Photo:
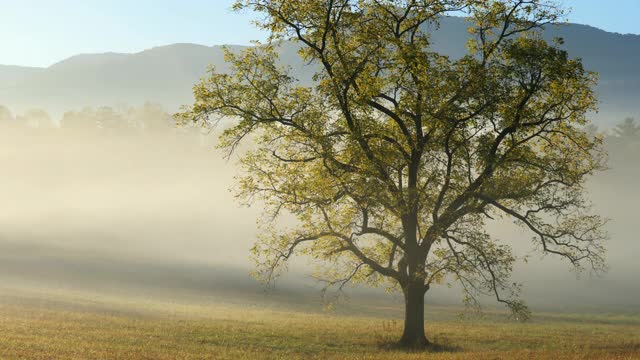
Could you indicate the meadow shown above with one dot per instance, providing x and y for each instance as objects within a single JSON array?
[{"x": 80, "y": 325}]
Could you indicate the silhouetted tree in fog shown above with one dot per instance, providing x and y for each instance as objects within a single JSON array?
[
  {"x": 5, "y": 115},
  {"x": 628, "y": 129},
  {"x": 36, "y": 118}
]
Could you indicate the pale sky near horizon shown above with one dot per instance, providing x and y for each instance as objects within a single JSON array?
[{"x": 42, "y": 32}]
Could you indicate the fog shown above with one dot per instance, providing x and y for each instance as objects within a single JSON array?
[
  {"x": 115, "y": 200},
  {"x": 136, "y": 195}
]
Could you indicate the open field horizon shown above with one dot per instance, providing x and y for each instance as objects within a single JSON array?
[
  {"x": 62, "y": 324},
  {"x": 131, "y": 273}
]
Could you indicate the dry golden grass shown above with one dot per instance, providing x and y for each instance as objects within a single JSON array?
[{"x": 85, "y": 327}]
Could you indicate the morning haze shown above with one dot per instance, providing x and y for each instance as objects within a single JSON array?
[{"x": 190, "y": 200}]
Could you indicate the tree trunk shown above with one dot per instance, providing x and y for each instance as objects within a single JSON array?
[{"x": 413, "y": 336}]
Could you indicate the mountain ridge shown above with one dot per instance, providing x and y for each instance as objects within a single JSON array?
[
  {"x": 166, "y": 74},
  {"x": 590, "y": 27}
]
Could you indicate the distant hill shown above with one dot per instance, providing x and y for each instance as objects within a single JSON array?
[
  {"x": 15, "y": 74},
  {"x": 166, "y": 74}
]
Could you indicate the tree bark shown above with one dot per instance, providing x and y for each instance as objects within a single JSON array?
[{"x": 413, "y": 336}]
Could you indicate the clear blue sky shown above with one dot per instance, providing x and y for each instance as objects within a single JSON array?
[{"x": 42, "y": 32}]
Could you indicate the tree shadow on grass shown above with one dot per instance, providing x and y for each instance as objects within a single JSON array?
[
  {"x": 439, "y": 346},
  {"x": 386, "y": 341}
]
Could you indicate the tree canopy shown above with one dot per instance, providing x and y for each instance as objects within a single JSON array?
[{"x": 397, "y": 157}]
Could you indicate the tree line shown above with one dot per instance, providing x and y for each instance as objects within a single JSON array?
[{"x": 149, "y": 117}]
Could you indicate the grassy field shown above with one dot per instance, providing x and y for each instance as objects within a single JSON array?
[{"x": 79, "y": 326}]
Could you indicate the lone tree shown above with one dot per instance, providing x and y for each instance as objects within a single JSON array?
[
  {"x": 629, "y": 129},
  {"x": 396, "y": 157}
]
